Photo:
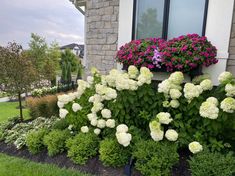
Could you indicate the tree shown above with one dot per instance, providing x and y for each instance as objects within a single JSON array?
[
  {"x": 149, "y": 26},
  {"x": 17, "y": 72},
  {"x": 80, "y": 69},
  {"x": 45, "y": 59},
  {"x": 68, "y": 65}
]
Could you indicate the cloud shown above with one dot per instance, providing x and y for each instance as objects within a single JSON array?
[{"x": 53, "y": 19}]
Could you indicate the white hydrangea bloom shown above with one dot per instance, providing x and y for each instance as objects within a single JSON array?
[
  {"x": 213, "y": 100},
  {"x": 174, "y": 103},
  {"x": 94, "y": 122},
  {"x": 110, "y": 123},
  {"x": 92, "y": 116},
  {"x": 225, "y": 77},
  {"x": 166, "y": 104},
  {"x": 65, "y": 99},
  {"x": 230, "y": 90},
  {"x": 122, "y": 83},
  {"x": 96, "y": 99},
  {"x": 60, "y": 104},
  {"x": 133, "y": 72},
  {"x": 122, "y": 128},
  {"x": 191, "y": 91},
  {"x": 84, "y": 129},
  {"x": 164, "y": 117},
  {"x": 111, "y": 78},
  {"x": 195, "y": 147},
  {"x": 164, "y": 87},
  {"x": 176, "y": 78},
  {"x": 124, "y": 138},
  {"x": 94, "y": 71},
  {"x": 63, "y": 113},
  {"x": 209, "y": 110},
  {"x": 97, "y": 107},
  {"x": 90, "y": 79},
  {"x": 175, "y": 94},
  {"x": 171, "y": 135},
  {"x": 100, "y": 89},
  {"x": 106, "y": 113},
  {"x": 82, "y": 85},
  {"x": 145, "y": 76},
  {"x": 76, "y": 107},
  {"x": 103, "y": 80},
  {"x": 101, "y": 123},
  {"x": 206, "y": 84},
  {"x": 110, "y": 94},
  {"x": 97, "y": 131},
  {"x": 157, "y": 135},
  {"x": 154, "y": 125},
  {"x": 228, "y": 105},
  {"x": 199, "y": 88},
  {"x": 133, "y": 85}
]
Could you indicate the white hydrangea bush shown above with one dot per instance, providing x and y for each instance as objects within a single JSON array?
[{"x": 178, "y": 104}]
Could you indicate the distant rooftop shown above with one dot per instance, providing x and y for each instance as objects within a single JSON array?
[{"x": 72, "y": 46}]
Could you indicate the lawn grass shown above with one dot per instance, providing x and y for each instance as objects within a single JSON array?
[
  {"x": 9, "y": 109},
  {"x": 12, "y": 166}
]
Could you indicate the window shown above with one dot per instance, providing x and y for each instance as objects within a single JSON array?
[{"x": 168, "y": 18}]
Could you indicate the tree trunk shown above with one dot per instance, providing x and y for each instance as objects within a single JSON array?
[{"x": 20, "y": 106}]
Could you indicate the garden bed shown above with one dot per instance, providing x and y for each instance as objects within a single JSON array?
[{"x": 93, "y": 166}]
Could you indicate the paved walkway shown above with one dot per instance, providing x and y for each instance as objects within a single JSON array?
[{"x": 6, "y": 99}]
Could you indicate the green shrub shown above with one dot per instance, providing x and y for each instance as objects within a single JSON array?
[
  {"x": 82, "y": 147},
  {"x": 212, "y": 164},
  {"x": 55, "y": 141},
  {"x": 60, "y": 124},
  {"x": 113, "y": 154},
  {"x": 43, "y": 106},
  {"x": 34, "y": 140},
  {"x": 155, "y": 158}
]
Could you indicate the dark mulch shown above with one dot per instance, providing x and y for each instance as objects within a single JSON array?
[{"x": 93, "y": 166}]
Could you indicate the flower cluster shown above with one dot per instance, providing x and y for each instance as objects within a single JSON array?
[
  {"x": 140, "y": 52},
  {"x": 230, "y": 90},
  {"x": 209, "y": 108},
  {"x": 187, "y": 52},
  {"x": 225, "y": 77},
  {"x": 157, "y": 133},
  {"x": 122, "y": 135},
  {"x": 228, "y": 105},
  {"x": 171, "y": 88},
  {"x": 192, "y": 91},
  {"x": 184, "y": 53},
  {"x": 195, "y": 147}
]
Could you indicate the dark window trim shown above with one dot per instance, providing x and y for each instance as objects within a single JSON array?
[
  {"x": 134, "y": 19},
  {"x": 205, "y": 18},
  {"x": 166, "y": 18}
]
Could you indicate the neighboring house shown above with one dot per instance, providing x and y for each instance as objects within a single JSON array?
[
  {"x": 78, "y": 50},
  {"x": 111, "y": 23}
]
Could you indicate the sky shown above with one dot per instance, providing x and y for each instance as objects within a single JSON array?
[{"x": 55, "y": 20}]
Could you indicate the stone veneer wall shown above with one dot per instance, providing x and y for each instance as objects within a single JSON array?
[
  {"x": 231, "y": 60},
  {"x": 101, "y": 33}
]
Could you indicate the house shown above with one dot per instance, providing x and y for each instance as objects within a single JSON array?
[
  {"x": 111, "y": 23},
  {"x": 78, "y": 50}
]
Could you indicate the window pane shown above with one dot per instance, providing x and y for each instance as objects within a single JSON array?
[
  {"x": 186, "y": 16},
  {"x": 149, "y": 18}
]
